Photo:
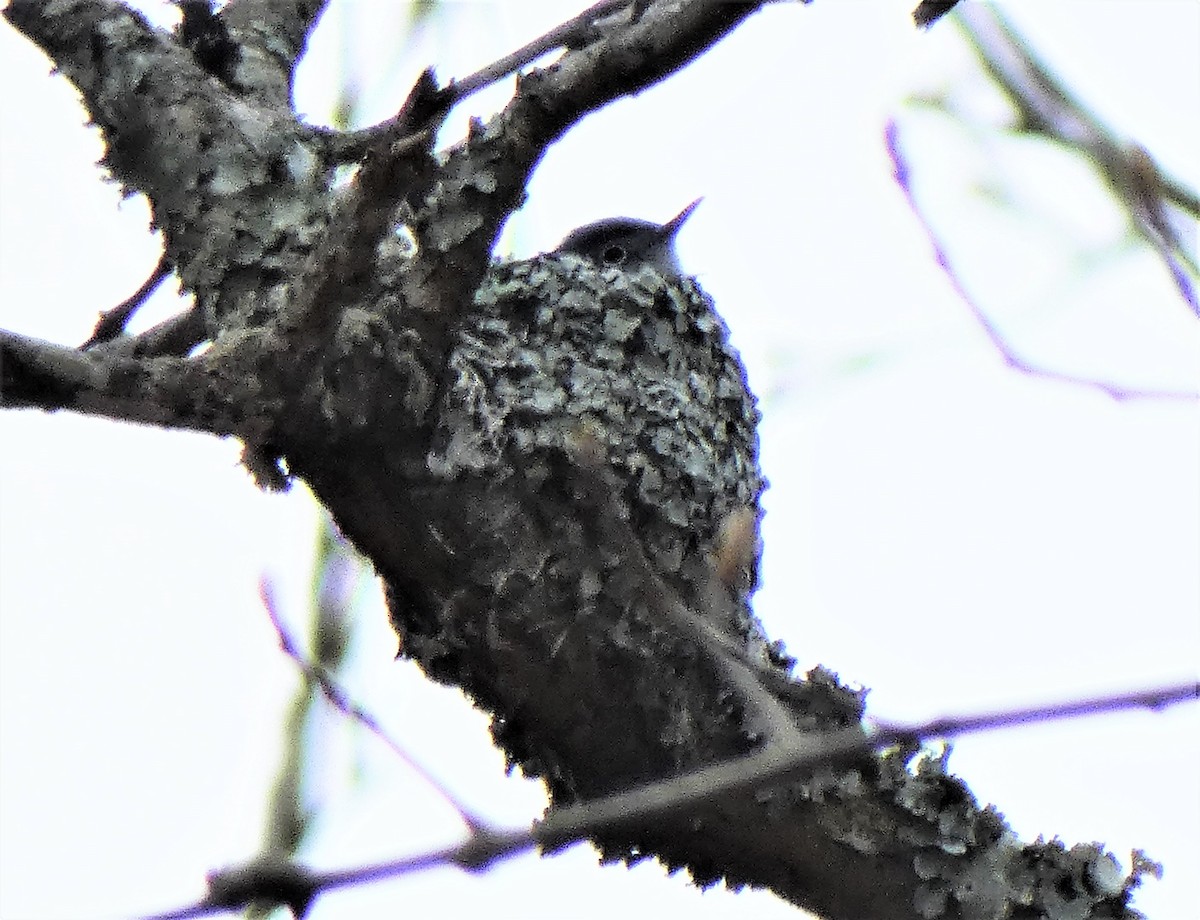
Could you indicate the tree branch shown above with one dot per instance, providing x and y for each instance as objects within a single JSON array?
[
  {"x": 1007, "y": 352},
  {"x": 590, "y": 623},
  {"x": 1045, "y": 106},
  {"x": 272, "y": 881},
  {"x": 202, "y": 394},
  {"x": 271, "y": 35},
  {"x": 112, "y": 322}
]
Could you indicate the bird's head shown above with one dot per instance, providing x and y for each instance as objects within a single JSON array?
[{"x": 628, "y": 244}]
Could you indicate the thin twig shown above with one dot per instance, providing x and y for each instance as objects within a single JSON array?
[
  {"x": 341, "y": 701},
  {"x": 175, "y": 336},
  {"x": 288, "y": 883},
  {"x": 112, "y": 322},
  {"x": 1047, "y": 107},
  {"x": 346, "y": 146},
  {"x": 570, "y": 34},
  {"x": 902, "y": 175}
]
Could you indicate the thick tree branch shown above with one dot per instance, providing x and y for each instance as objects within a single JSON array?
[
  {"x": 271, "y": 35},
  {"x": 452, "y": 416},
  {"x": 208, "y": 393},
  {"x": 484, "y": 177},
  {"x": 236, "y": 187}
]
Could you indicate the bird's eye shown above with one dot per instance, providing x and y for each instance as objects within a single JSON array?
[{"x": 613, "y": 255}]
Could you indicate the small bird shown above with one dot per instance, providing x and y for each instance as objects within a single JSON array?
[
  {"x": 627, "y": 244},
  {"x": 606, "y": 338},
  {"x": 596, "y": 429}
]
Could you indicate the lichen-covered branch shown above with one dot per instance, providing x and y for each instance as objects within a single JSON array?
[
  {"x": 217, "y": 393},
  {"x": 540, "y": 460}
]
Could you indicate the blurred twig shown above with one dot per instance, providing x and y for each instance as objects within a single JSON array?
[
  {"x": 1045, "y": 107},
  {"x": 334, "y": 575},
  {"x": 928, "y": 12},
  {"x": 281, "y": 882},
  {"x": 317, "y": 678},
  {"x": 1007, "y": 352}
]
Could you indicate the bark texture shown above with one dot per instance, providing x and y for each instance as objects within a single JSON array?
[{"x": 539, "y": 458}]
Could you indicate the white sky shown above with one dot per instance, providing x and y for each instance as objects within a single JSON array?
[{"x": 950, "y": 533}]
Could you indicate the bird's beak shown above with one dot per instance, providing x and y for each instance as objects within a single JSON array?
[{"x": 671, "y": 227}]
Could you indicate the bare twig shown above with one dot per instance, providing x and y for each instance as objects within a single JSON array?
[
  {"x": 1045, "y": 106},
  {"x": 342, "y": 702},
  {"x": 290, "y": 884},
  {"x": 1002, "y": 346},
  {"x": 930, "y": 11},
  {"x": 175, "y": 336},
  {"x": 350, "y": 145},
  {"x": 112, "y": 322},
  {"x": 574, "y": 33}
]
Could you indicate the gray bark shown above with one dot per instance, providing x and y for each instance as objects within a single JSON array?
[{"x": 484, "y": 436}]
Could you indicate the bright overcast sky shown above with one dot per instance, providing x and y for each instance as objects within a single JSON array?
[{"x": 940, "y": 528}]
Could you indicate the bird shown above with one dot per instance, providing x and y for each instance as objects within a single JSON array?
[
  {"x": 605, "y": 334},
  {"x": 627, "y": 243}
]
